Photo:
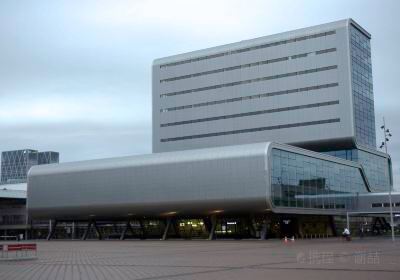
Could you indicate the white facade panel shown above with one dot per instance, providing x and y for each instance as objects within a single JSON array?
[{"x": 195, "y": 95}]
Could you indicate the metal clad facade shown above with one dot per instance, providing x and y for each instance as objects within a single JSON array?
[
  {"x": 230, "y": 179},
  {"x": 292, "y": 87},
  {"x": 199, "y": 181}
]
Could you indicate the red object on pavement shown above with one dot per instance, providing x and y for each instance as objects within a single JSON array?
[
  {"x": 14, "y": 247},
  {"x": 29, "y": 247},
  {"x": 19, "y": 247}
]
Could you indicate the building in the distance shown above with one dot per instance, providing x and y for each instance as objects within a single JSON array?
[
  {"x": 48, "y": 157},
  {"x": 218, "y": 167},
  {"x": 16, "y": 164}
]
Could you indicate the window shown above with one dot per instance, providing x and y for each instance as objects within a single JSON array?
[
  {"x": 242, "y": 66},
  {"x": 318, "y": 184},
  {"x": 323, "y": 34},
  {"x": 249, "y": 130},
  {"x": 279, "y": 76},
  {"x": 250, "y": 97},
  {"x": 276, "y": 110}
]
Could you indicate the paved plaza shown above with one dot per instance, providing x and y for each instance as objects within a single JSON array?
[{"x": 179, "y": 259}]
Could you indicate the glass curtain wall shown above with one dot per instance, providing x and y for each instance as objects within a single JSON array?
[
  {"x": 377, "y": 168},
  {"x": 306, "y": 182},
  {"x": 362, "y": 87}
]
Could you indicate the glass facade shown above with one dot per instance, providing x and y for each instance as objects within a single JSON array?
[
  {"x": 48, "y": 157},
  {"x": 362, "y": 87},
  {"x": 306, "y": 182},
  {"x": 16, "y": 164},
  {"x": 377, "y": 168}
]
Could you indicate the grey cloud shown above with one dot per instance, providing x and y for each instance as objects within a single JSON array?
[{"x": 80, "y": 141}]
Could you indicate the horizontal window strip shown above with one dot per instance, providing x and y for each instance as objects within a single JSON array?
[
  {"x": 249, "y": 97},
  {"x": 291, "y": 74},
  {"x": 247, "y": 65},
  {"x": 242, "y": 50},
  {"x": 325, "y": 51},
  {"x": 254, "y": 113},
  {"x": 282, "y": 126}
]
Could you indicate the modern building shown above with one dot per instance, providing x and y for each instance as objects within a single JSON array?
[
  {"x": 16, "y": 164},
  {"x": 48, "y": 157},
  {"x": 219, "y": 118},
  {"x": 310, "y": 88},
  {"x": 252, "y": 180},
  {"x": 13, "y": 216}
]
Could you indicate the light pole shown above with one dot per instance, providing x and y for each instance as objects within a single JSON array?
[{"x": 386, "y": 136}]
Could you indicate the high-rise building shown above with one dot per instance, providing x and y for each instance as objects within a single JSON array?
[
  {"x": 307, "y": 87},
  {"x": 16, "y": 164},
  {"x": 310, "y": 88}
]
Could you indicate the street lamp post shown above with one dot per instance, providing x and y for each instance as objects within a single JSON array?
[{"x": 386, "y": 136}]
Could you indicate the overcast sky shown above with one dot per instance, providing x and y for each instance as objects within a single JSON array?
[{"x": 75, "y": 76}]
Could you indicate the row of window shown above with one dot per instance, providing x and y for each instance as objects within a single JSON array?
[
  {"x": 247, "y": 65},
  {"x": 386, "y": 205},
  {"x": 256, "y": 96},
  {"x": 248, "y": 130},
  {"x": 12, "y": 220},
  {"x": 242, "y": 50},
  {"x": 291, "y": 74},
  {"x": 275, "y": 110}
]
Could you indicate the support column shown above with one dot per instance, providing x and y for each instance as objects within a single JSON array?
[
  {"x": 122, "y": 237},
  {"x": 143, "y": 229},
  {"x": 250, "y": 225},
  {"x": 167, "y": 226},
  {"x": 52, "y": 229},
  {"x": 73, "y": 230},
  {"x": 333, "y": 225},
  {"x": 213, "y": 223},
  {"x": 87, "y": 230},
  {"x": 264, "y": 230},
  {"x": 99, "y": 236},
  {"x": 127, "y": 227},
  {"x": 176, "y": 227}
]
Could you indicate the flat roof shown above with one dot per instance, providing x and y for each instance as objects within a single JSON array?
[
  {"x": 260, "y": 40},
  {"x": 6, "y": 193}
]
